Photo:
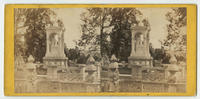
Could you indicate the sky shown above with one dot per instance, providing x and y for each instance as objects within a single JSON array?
[
  {"x": 158, "y": 22},
  {"x": 71, "y": 19}
]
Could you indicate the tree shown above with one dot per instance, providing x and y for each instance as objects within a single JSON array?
[
  {"x": 108, "y": 29},
  {"x": 122, "y": 19},
  {"x": 18, "y": 32},
  {"x": 35, "y": 38},
  {"x": 73, "y": 54},
  {"x": 176, "y": 39},
  {"x": 95, "y": 22},
  {"x": 82, "y": 59}
]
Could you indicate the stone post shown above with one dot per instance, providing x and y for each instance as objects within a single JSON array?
[
  {"x": 113, "y": 75},
  {"x": 52, "y": 73},
  {"x": 91, "y": 70},
  {"x": 98, "y": 72},
  {"x": 83, "y": 71},
  {"x": 31, "y": 75},
  {"x": 172, "y": 70}
]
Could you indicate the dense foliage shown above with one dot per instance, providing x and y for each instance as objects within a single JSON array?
[{"x": 176, "y": 39}]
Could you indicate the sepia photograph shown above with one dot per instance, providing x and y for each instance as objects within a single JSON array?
[{"x": 100, "y": 50}]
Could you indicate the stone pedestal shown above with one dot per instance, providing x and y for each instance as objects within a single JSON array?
[
  {"x": 52, "y": 73},
  {"x": 55, "y": 65},
  {"x": 82, "y": 71},
  {"x": 136, "y": 73}
]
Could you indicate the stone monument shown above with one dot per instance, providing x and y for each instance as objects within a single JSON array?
[
  {"x": 140, "y": 56},
  {"x": 140, "y": 47},
  {"x": 55, "y": 58}
]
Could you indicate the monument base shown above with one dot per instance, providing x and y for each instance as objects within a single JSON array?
[
  {"x": 54, "y": 65},
  {"x": 137, "y": 64}
]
